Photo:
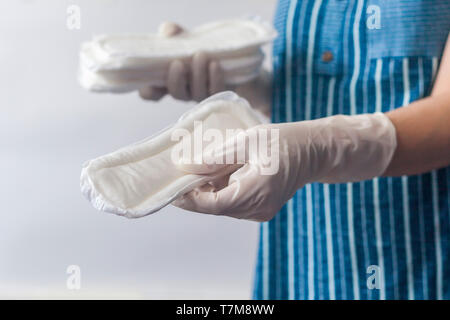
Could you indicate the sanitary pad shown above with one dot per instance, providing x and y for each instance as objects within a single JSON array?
[
  {"x": 127, "y": 62},
  {"x": 140, "y": 179}
]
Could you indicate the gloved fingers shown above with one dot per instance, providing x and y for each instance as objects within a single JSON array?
[
  {"x": 216, "y": 78},
  {"x": 208, "y": 187},
  {"x": 215, "y": 184},
  {"x": 220, "y": 183},
  {"x": 177, "y": 81},
  {"x": 166, "y": 29},
  {"x": 210, "y": 202},
  {"x": 169, "y": 29},
  {"x": 239, "y": 198},
  {"x": 152, "y": 93},
  {"x": 207, "y": 77},
  {"x": 199, "y": 76}
]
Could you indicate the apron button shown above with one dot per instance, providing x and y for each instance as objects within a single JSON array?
[{"x": 327, "y": 56}]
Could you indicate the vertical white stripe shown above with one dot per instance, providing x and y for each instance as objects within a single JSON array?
[
  {"x": 290, "y": 211},
  {"x": 407, "y": 90},
  {"x": 434, "y": 63},
  {"x": 366, "y": 86},
  {"x": 330, "y": 257},
  {"x": 299, "y": 66},
  {"x": 376, "y": 199},
  {"x": 309, "y": 223},
  {"x": 362, "y": 187},
  {"x": 353, "y": 80},
  {"x": 437, "y": 234},
  {"x": 290, "y": 240},
  {"x": 357, "y": 60},
  {"x": 288, "y": 66},
  {"x": 265, "y": 283},
  {"x": 309, "y": 211},
  {"x": 378, "y": 69},
  {"x": 310, "y": 56},
  {"x": 423, "y": 253},
  {"x": 391, "y": 198},
  {"x": 351, "y": 239},
  {"x": 331, "y": 86},
  {"x": 364, "y": 232},
  {"x": 379, "y": 237},
  {"x": 409, "y": 266},
  {"x": 326, "y": 196},
  {"x": 405, "y": 195},
  {"x": 437, "y": 228}
]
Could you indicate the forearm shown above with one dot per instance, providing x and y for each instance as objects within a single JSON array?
[
  {"x": 423, "y": 128},
  {"x": 423, "y": 136}
]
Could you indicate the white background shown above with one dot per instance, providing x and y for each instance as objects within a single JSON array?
[{"x": 49, "y": 126}]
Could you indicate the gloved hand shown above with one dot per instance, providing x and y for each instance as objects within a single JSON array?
[
  {"x": 205, "y": 77},
  {"x": 195, "y": 82},
  {"x": 335, "y": 149}
]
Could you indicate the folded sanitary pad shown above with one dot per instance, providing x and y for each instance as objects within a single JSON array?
[
  {"x": 140, "y": 179},
  {"x": 127, "y": 62}
]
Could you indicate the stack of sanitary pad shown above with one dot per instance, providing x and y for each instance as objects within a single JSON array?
[{"x": 127, "y": 62}]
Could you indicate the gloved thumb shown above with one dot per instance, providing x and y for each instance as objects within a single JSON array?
[{"x": 169, "y": 29}]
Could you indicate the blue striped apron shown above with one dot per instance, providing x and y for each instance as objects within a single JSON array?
[{"x": 336, "y": 241}]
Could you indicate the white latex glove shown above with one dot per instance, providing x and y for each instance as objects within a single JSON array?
[
  {"x": 205, "y": 77},
  {"x": 335, "y": 149},
  {"x": 202, "y": 78}
]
